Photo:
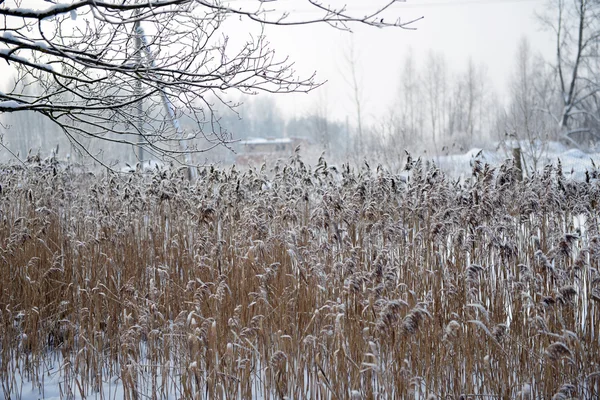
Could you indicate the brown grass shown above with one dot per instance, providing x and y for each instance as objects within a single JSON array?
[{"x": 299, "y": 283}]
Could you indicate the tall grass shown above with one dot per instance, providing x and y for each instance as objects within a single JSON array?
[{"x": 294, "y": 282}]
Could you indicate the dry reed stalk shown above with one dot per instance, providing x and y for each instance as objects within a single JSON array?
[{"x": 300, "y": 283}]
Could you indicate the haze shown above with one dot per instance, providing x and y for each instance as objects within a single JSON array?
[{"x": 488, "y": 31}]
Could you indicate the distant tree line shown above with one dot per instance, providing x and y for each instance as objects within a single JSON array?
[{"x": 548, "y": 99}]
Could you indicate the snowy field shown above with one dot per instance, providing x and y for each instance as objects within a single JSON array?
[
  {"x": 302, "y": 282},
  {"x": 574, "y": 161}
]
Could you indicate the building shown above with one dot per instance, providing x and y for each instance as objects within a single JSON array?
[{"x": 258, "y": 150}]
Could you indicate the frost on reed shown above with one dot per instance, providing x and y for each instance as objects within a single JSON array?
[{"x": 294, "y": 282}]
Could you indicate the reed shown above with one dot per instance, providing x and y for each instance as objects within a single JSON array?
[{"x": 300, "y": 282}]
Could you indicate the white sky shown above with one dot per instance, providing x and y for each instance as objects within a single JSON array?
[{"x": 486, "y": 30}]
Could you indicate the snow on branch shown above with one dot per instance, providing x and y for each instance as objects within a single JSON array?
[{"x": 94, "y": 72}]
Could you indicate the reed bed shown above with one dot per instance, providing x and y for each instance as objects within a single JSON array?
[{"x": 292, "y": 282}]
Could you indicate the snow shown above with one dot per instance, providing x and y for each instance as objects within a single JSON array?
[
  {"x": 34, "y": 45},
  {"x": 7, "y": 35},
  {"x": 45, "y": 67},
  {"x": 10, "y": 104},
  {"x": 574, "y": 162},
  {"x": 147, "y": 165},
  {"x": 23, "y": 60},
  {"x": 54, "y": 384},
  {"x": 255, "y": 141},
  {"x": 13, "y": 57},
  {"x": 575, "y": 154},
  {"x": 37, "y": 13},
  {"x": 41, "y": 45}
]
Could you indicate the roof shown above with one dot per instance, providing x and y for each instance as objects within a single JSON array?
[{"x": 255, "y": 141}]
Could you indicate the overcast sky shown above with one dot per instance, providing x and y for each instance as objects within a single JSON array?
[{"x": 486, "y": 30}]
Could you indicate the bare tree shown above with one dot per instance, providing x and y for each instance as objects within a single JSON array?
[
  {"x": 576, "y": 27},
  {"x": 402, "y": 126},
  {"x": 435, "y": 83},
  {"x": 109, "y": 69},
  {"x": 410, "y": 101},
  {"x": 320, "y": 125},
  {"x": 452, "y": 108},
  {"x": 468, "y": 103},
  {"x": 474, "y": 97},
  {"x": 352, "y": 77},
  {"x": 525, "y": 120},
  {"x": 389, "y": 138}
]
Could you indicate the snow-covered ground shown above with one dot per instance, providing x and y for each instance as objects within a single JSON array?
[{"x": 574, "y": 161}]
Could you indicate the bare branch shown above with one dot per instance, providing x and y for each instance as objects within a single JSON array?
[{"x": 82, "y": 66}]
